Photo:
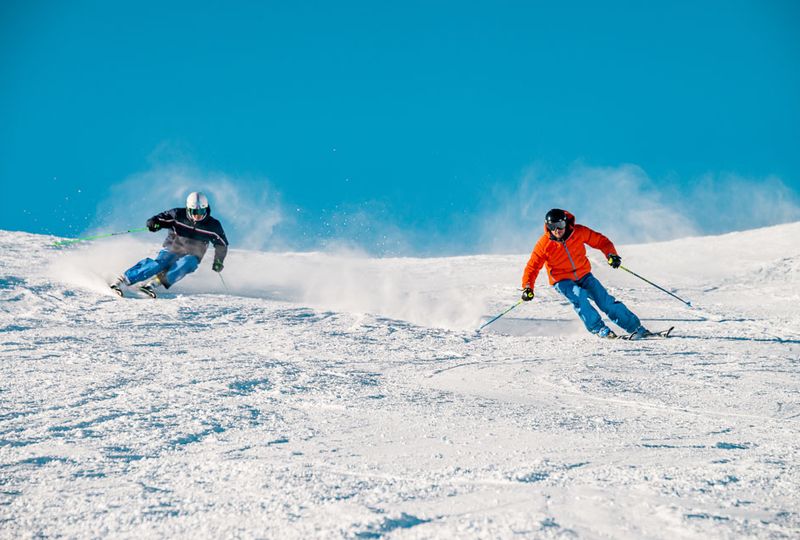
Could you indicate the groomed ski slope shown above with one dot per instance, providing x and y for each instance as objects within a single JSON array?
[{"x": 337, "y": 396}]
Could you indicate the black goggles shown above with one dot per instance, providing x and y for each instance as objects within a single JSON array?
[
  {"x": 198, "y": 212},
  {"x": 561, "y": 225}
]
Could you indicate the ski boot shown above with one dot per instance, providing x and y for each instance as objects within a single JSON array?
[
  {"x": 640, "y": 333},
  {"x": 606, "y": 333},
  {"x": 117, "y": 286},
  {"x": 149, "y": 288}
]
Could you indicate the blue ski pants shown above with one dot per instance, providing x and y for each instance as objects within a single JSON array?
[
  {"x": 588, "y": 287},
  {"x": 173, "y": 266}
]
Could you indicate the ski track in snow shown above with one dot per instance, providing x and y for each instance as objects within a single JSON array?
[{"x": 343, "y": 397}]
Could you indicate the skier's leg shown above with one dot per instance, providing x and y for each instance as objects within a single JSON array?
[
  {"x": 147, "y": 268},
  {"x": 185, "y": 265},
  {"x": 616, "y": 310},
  {"x": 579, "y": 299}
]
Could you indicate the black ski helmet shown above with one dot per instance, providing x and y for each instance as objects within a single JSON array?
[{"x": 555, "y": 219}]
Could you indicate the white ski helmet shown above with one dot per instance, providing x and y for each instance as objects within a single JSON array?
[{"x": 197, "y": 206}]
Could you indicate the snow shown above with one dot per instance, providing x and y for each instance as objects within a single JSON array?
[{"x": 323, "y": 395}]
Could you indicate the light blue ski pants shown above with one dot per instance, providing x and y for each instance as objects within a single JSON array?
[
  {"x": 588, "y": 287},
  {"x": 174, "y": 266}
]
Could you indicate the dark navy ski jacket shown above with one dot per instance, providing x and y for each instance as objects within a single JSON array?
[{"x": 189, "y": 237}]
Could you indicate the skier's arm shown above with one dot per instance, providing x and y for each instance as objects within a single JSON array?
[
  {"x": 600, "y": 242},
  {"x": 163, "y": 219},
  {"x": 534, "y": 265},
  {"x": 220, "y": 251},
  {"x": 220, "y": 245}
]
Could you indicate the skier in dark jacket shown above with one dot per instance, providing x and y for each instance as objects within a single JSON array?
[
  {"x": 562, "y": 250},
  {"x": 190, "y": 231}
]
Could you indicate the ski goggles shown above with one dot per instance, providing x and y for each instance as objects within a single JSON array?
[
  {"x": 197, "y": 213},
  {"x": 561, "y": 225}
]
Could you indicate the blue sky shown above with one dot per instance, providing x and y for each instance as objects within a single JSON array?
[{"x": 407, "y": 127}]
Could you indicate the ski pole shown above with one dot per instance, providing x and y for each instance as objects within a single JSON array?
[
  {"x": 223, "y": 282},
  {"x": 84, "y": 239},
  {"x": 498, "y": 316},
  {"x": 656, "y": 286}
]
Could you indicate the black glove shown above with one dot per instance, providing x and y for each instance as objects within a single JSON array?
[
  {"x": 217, "y": 266},
  {"x": 614, "y": 260},
  {"x": 527, "y": 294},
  {"x": 153, "y": 225}
]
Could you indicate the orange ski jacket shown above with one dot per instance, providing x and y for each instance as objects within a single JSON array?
[{"x": 565, "y": 259}]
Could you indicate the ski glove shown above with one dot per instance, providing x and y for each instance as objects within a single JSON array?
[
  {"x": 527, "y": 294},
  {"x": 153, "y": 225},
  {"x": 614, "y": 260},
  {"x": 217, "y": 266}
]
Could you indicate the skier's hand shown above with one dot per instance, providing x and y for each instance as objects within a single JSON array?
[
  {"x": 527, "y": 294},
  {"x": 153, "y": 225},
  {"x": 217, "y": 266},
  {"x": 614, "y": 260}
]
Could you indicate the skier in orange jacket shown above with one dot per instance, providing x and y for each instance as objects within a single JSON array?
[{"x": 562, "y": 250}]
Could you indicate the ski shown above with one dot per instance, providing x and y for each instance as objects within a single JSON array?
[
  {"x": 661, "y": 334},
  {"x": 117, "y": 289}
]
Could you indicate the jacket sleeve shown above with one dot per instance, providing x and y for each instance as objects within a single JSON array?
[
  {"x": 165, "y": 218},
  {"x": 220, "y": 245},
  {"x": 600, "y": 242},
  {"x": 535, "y": 263}
]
